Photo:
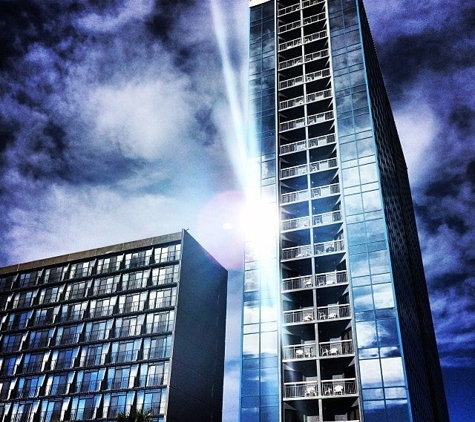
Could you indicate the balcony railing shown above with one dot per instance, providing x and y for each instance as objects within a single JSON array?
[
  {"x": 316, "y": 55},
  {"x": 290, "y": 44},
  {"x": 295, "y": 7},
  {"x": 328, "y": 279},
  {"x": 290, "y": 63},
  {"x": 327, "y": 190},
  {"x": 333, "y": 312},
  {"x": 296, "y": 223},
  {"x": 301, "y": 122},
  {"x": 310, "y": 98},
  {"x": 303, "y": 169},
  {"x": 300, "y": 351},
  {"x": 329, "y": 247},
  {"x": 305, "y": 251},
  {"x": 296, "y": 283},
  {"x": 298, "y": 41},
  {"x": 339, "y": 387},
  {"x": 301, "y": 195},
  {"x": 304, "y": 315},
  {"x": 306, "y": 282},
  {"x": 296, "y": 252},
  {"x": 311, "y": 143},
  {"x": 310, "y": 389},
  {"x": 336, "y": 348}
]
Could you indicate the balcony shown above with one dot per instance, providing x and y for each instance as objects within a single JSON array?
[
  {"x": 298, "y": 316},
  {"x": 301, "y": 122},
  {"x": 295, "y": 7},
  {"x": 336, "y": 348},
  {"x": 332, "y": 246},
  {"x": 297, "y": 196},
  {"x": 324, "y": 191},
  {"x": 306, "y": 282},
  {"x": 300, "y": 351},
  {"x": 310, "y": 98},
  {"x": 319, "y": 74},
  {"x": 330, "y": 279},
  {"x": 298, "y": 41},
  {"x": 290, "y": 44},
  {"x": 316, "y": 166},
  {"x": 290, "y": 63},
  {"x": 333, "y": 312},
  {"x": 297, "y": 252},
  {"x": 339, "y": 387},
  {"x": 304, "y": 144},
  {"x": 310, "y": 389},
  {"x": 316, "y": 55}
]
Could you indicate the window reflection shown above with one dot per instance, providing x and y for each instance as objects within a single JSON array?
[
  {"x": 392, "y": 371},
  {"x": 370, "y": 373},
  {"x": 366, "y": 334}
]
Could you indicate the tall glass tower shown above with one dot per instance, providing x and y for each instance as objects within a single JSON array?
[{"x": 336, "y": 317}]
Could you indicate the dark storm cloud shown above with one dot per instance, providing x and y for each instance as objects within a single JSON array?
[{"x": 426, "y": 54}]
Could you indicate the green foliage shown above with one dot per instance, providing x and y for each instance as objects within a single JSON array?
[{"x": 135, "y": 416}]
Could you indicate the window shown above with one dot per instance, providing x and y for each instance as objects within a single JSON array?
[
  {"x": 135, "y": 280},
  {"x": 18, "y": 321},
  {"x": 23, "y": 299},
  {"x": 33, "y": 362},
  {"x": 11, "y": 342},
  {"x": 96, "y": 331},
  {"x": 82, "y": 408},
  {"x": 89, "y": 381},
  {"x": 76, "y": 290},
  {"x": 162, "y": 298},
  {"x": 23, "y": 411},
  {"x": 57, "y": 384},
  {"x": 9, "y": 365},
  {"x": 157, "y": 374},
  {"x": 44, "y": 316},
  {"x": 51, "y": 410},
  {"x": 157, "y": 347},
  {"x": 28, "y": 279},
  {"x": 53, "y": 274},
  {"x": 93, "y": 355},
  {"x": 160, "y": 322},
  {"x": 120, "y": 378},
  {"x": 165, "y": 275},
  {"x": 125, "y": 351},
  {"x": 81, "y": 269},
  {"x": 126, "y": 327},
  {"x": 63, "y": 358},
  {"x": 117, "y": 405},
  {"x": 49, "y": 295},
  {"x": 28, "y": 387},
  {"x": 105, "y": 285},
  {"x": 167, "y": 253},
  {"x": 69, "y": 334},
  {"x": 137, "y": 259},
  {"x": 153, "y": 401},
  {"x": 104, "y": 307},
  {"x": 108, "y": 265}
]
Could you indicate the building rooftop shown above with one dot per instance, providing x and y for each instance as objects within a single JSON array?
[{"x": 91, "y": 253}]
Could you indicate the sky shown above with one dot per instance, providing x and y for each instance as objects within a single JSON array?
[{"x": 125, "y": 119}]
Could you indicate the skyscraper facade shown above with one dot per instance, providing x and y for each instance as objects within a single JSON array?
[
  {"x": 336, "y": 318},
  {"x": 138, "y": 325}
]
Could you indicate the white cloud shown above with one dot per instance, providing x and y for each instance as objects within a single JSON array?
[
  {"x": 114, "y": 20},
  {"x": 418, "y": 128},
  {"x": 147, "y": 119},
  {"x": 72, "y": 219}
]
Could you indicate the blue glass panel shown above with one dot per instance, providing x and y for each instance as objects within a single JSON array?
[
  {"x": 374, "y": 411},
  {"x": 370, "y": 373},
  {"x": 366, "y": 334},
  {"x": 269, "y": 414},
  {"x": 393, "y": 373},
  {"x": 397, "y": 410}
]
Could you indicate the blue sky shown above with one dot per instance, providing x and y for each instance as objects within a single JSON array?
[{"x": 124, "y": 119}]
